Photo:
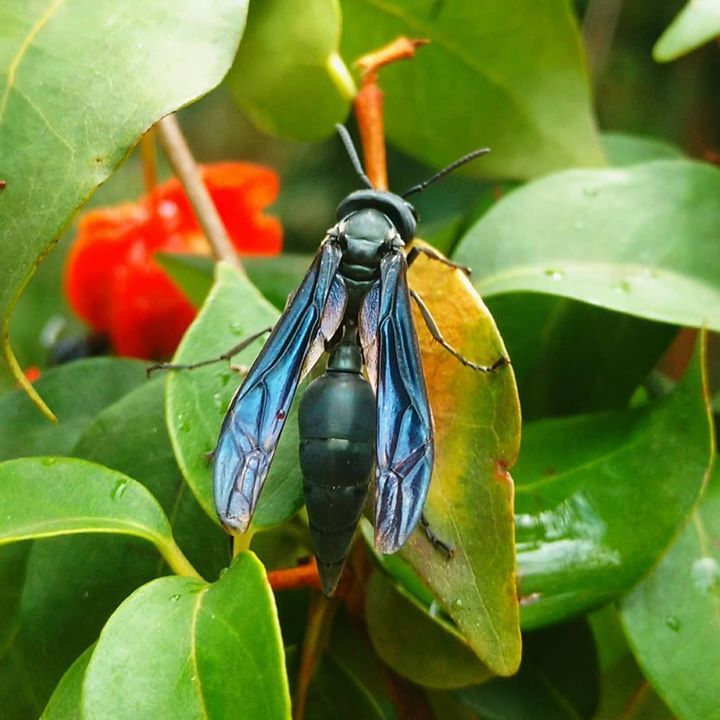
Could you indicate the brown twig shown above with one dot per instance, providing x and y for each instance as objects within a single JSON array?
[
  {"x": 149, "y": 161},
  {"x": 368, "y": 105},
  {"x": 183, "y": 163},
  {"x": 302, "y": 576}
]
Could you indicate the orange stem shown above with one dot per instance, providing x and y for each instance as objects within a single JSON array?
[
  {"x": 368, "y": 105},
  {"x": 302, "y": 576}
]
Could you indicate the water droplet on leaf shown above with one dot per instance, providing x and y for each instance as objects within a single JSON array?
[
  {"x": 705, "y": 572},
  {"x": 672, "y": 622},
  {"x": 119, "y": 489},
  {"x": 622, "y": 286},
  {"x": 555, "y": 274}
]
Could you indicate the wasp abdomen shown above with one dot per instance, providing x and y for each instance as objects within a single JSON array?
[{"x": 337, "y": 453}]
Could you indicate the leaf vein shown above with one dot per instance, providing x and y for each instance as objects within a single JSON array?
[{"x": 22, "y": 51}]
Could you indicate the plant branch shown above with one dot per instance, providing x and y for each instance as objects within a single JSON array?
[
  {"x": 302, "y": 576},
  {"x": 149, "y": 161},
  {"x": 183, "y": 163},
  {"x": 368, "y": 105}
]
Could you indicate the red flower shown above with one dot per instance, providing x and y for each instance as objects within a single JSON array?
[{"x": 112, "y": 280}]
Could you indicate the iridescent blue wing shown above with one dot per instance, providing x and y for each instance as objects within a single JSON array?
[
  {"x": 404, "y": 421},
  {"x": 256, "y": 416}
]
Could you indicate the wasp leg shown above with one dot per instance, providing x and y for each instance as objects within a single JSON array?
[
  {"x": 225, "y": 356},
  {"x": 440, "y": 545},
  {"x": 437, "y": 336},
  {"x": 415, "y": 251}
]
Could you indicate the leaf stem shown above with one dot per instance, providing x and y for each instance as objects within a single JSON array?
[
  {"x": 240, "y": 543},
  {"x": 183, "y": 163},
  {"x": 176, "y": 560}
]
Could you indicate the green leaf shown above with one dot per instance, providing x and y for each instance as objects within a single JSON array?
[
  {"x": 13, "y": 563},
  {"x": 524, "y": 80},
  {"x": 193, "y": 274},
  {"x": 179, "y": 648},
  {"x": 557, "y": 679},
  {"x": 66, "y": 124},
  {"x": 197, "y": 400},
  {"x": 275, "y": 277},
  {"x": 71, "y": 586},
  {"x": 623, "y": 149},
  {"x": 336, "y": 692},
  {"x": 66, "y": 701},
  {"x": 288, "y": 76},
  {"x": 78, "y": 391},
  {"x": 672, "y": 617},
  {"x": 641, "y": 240},
  {"x": 477, "y": 427},
  {"x": 599, "y": 497},
  {"x": 570, "y": 357},
  {"x": 425, "y": 649},
  {"x": 697, "y": 23},
  {"x": 34, "y": 651},
  {"x": 48, "y": 497},
  {"x": 625, "y": 691},
  {"x": 131, "y": 437}
]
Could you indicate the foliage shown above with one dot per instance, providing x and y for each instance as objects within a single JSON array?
[{"x": 593, "y": 251}]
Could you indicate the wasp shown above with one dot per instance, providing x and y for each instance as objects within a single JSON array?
[{"x": 368, "y": 415}]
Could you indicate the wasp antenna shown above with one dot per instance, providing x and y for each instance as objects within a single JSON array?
[
  {"x": 352, "y": 152},
  {"x": 445, "y": 171}
]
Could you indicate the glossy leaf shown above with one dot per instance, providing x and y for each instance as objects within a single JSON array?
[
  {"x": 78, "y": 391},
  {"x": 625, "y": 692},
  {"x": 275, "y": 277},
  {"x": 350, "y": 646},
  {"x": 197, "y": 399},
  {"x": 697, "y": 23},
  {"x": 534, "y": 121},
  {"x": 288, "y": 76},
  {"x": 599, "y": 498},
  {"x": 557, "y": 679},
  {"x": 336, "y": 692},
  {"x": 48, "y": 497},
  {"x": 641, "y": 240},
  {"x": 13, "y": 563},
  {"x": 570, "y": 357},
  {"x": 672, "y": 617},
  {"x": 66, "y": 701},
  {"x": 179, "y": 648},
  {"x": 66, "y": 125},
  {"x": 623, "y": 149},
  {"x": 131, "y": 437},
  {"x": 71, "y": 586},
  {"x": 425, "y": 649},
  {"x": 477, "y": 428}
]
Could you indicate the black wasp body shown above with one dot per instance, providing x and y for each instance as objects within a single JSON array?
[{"x": 354, "y": 303}]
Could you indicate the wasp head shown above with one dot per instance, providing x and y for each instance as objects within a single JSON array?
[{"x": 400, "y": 212}]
